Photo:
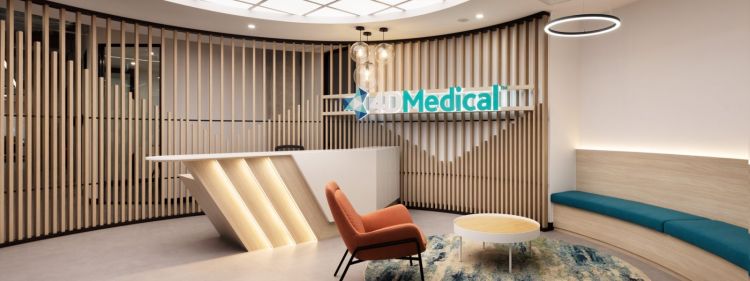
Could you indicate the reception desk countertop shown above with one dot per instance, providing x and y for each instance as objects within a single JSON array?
[{"x": 235, "y": 155}]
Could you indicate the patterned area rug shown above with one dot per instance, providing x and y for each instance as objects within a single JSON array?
[{"x": 544, "y": 259}]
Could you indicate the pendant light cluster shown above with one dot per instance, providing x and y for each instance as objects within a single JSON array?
[
  {"x": 612, "y": 23},
  {"x": 368, "y": 59}
]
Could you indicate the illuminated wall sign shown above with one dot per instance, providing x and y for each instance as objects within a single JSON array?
[{"x": 455, "y": 99}]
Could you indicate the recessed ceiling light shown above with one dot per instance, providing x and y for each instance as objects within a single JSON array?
[
  {"x": 479, "y": 16},
  {"x": 251, "y": 26}
]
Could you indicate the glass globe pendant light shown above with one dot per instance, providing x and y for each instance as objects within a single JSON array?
[
  {"x": 359, "y": 51},
  {"x": 384, "y": 51},
  {"x": 365, "y": 75}
]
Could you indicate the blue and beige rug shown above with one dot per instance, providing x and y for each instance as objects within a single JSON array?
[{"x": 545, "y": 259}]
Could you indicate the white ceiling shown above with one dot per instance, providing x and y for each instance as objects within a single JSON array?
[
  {"x": 322, "y": 11},
  {"x": 456, "y": 18}
]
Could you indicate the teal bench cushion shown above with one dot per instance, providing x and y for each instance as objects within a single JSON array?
[
  {"x": 635, "y": 212},
  {"x": 728, "y": 241}
]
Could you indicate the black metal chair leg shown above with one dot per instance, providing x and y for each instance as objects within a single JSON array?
[
  {"x": 419, "y": 255},
  {"x": 411, "y": 262},
  {"x": 421, "y": 270},
  {"x": 340, "y": 263},
  {"x": 347, "y": 267}
]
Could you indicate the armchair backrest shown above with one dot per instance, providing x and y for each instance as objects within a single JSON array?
[{"x": 348, "y": 221}]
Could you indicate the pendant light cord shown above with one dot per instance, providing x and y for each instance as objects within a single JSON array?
[{"x": 583, "y": 11}]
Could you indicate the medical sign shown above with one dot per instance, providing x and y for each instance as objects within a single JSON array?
[{"x": 455, "y": 99}]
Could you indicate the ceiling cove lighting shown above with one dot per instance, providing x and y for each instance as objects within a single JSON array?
[
  {"x": 323, "y": 11},
  {"x": 614, "y": 24}
]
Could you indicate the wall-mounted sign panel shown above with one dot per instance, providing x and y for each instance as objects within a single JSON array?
[{"x": 454, "y": 99}]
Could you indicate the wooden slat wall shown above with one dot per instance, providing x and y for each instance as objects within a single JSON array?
[
  {"x": 464, "y": 162},
  {"x": 75, "y": 136}
]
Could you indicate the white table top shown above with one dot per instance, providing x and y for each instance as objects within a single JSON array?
[
  {"x": 496, "y": 228},
  {"x": 215, "y": 156}
]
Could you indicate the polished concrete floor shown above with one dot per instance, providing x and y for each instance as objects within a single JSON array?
[{"x": 190, "y": 249}]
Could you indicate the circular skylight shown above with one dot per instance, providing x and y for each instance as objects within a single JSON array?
[{"x": 322, "y": 11}]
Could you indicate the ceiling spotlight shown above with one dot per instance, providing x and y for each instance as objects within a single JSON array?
[
  {"x": 479, "y": 16},
  {"x": 251, "y": 26}
]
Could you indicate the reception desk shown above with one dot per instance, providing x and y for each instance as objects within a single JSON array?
[{"x": 263, "y": 200}]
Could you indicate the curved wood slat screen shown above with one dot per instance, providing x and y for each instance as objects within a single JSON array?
[{"x": 83, "y": 106}]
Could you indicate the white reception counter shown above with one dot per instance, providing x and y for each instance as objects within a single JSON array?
[{"x": 270, "y": 199}]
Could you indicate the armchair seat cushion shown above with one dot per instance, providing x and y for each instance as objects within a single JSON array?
[
  {"x": 638, "y": 213},
  {"x": 728, "y": 241},
  {"x": 399, "y": 232}
]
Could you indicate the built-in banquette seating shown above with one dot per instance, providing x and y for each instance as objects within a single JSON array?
[{"x": 688, "y": 214}]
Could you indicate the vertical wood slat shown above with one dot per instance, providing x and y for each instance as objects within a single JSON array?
[
  {"x": 77, "y": 83},
  {"x": 137, "y": 129},
  {"x": 69, "y": 155},
  {"x": 10, "y": 120},
  {"x": 28, "y": 131},
  {"x": 150, "y": 126},
  {"x": 3, "y": 132},
  {"x": 160, "y": 166},
  {"x": 20, "y": 134},
  {"x": 176, "y": 146},
  {"x": 110, "y": 107},
  {"x": 127, "y": 186},
  {"x": 37, "y": 139},
  {"x": 62, "y": 94},
  {"x": 95, "y": 123}
]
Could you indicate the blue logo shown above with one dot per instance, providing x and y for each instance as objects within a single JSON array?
[{"x": 357, "y": 103}]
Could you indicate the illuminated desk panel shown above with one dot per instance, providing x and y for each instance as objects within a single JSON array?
[{"x": 263, "y": 200}]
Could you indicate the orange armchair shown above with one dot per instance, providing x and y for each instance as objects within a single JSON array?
[{"x": 389, "y": 233}]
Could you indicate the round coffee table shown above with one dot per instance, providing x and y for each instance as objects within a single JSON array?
[{"x": 496, "y": 228}]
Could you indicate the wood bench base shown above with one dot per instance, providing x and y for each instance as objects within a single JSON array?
[{"x": 676, "y": 255}]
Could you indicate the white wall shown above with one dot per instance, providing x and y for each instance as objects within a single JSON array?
[
  {"x": 564, "y": 88},
  {"x": 673, "y": 79}
]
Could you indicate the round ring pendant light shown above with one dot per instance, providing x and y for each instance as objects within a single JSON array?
[{"x": 614, "y": 23}]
